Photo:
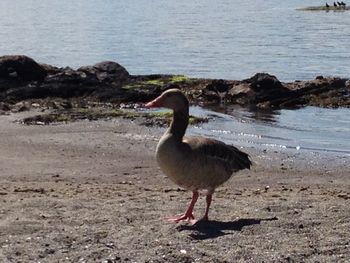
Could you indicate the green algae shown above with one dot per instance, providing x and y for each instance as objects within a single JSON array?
[
  {"x": 159, "y": 82},
  {"x": 179, "y": 78},
  {"x": 75, "y": 114}
]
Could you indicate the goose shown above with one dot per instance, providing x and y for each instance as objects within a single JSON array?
[
  {"x": 327, "y": 5},
  {"x": 194, "y": 163},
  {"x": 334, "y": 4}
]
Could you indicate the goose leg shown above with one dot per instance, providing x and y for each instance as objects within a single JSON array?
[
  {"x": 205, "y": 217},
  {"x": 188, "y": 215},
  {"x": 208, "y": 199}
]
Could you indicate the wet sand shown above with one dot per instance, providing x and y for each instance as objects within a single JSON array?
[{"x": 92, "y": 192}]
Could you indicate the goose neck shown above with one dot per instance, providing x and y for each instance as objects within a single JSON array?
[{"x": 179, "y": 123}]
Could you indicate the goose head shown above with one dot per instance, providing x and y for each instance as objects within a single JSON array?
[{"x": 172, "y": 99}]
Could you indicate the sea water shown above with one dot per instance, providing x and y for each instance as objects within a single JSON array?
[
  {"x": 201, "y": 38},
  {"x": 310, "y": 128}
]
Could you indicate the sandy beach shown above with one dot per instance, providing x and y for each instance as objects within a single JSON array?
[{"x": 91, "y": 191}]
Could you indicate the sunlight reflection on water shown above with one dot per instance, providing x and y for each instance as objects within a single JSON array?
[{"x": 309, "y": 128}]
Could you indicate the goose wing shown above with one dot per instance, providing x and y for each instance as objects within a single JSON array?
[{"x": 210, "y": 148}]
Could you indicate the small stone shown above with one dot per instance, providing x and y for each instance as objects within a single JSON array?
[
  {"x": 50, "y": 251},
  {"x": 344, "y": 196}
]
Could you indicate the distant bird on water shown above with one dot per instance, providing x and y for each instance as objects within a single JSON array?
[
  {"x": 194, "y": 162},
  {"x": 334, "y": 4},
  {"x": 327, "y": 5}
]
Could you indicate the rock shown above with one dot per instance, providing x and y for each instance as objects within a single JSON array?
[
  {"x": 326, "y": 92},
  {"x": 218, "y": 86},
  {"x": 50, "y": 70},
  {"x": 347, "y": 84},
  {"x": 207, "y": 91},
  {"x": 210, "y": 96},
  {"x": 266, "y": 91},
  {"x": 52, "y": 105},
  {"x": 107, "y": 71},
  {"x": 111, "y": 68},
  {"x": 241, "y": 94},
  {"x": 264, "y": 81},
  {"x": 66, "y": 105},
  {"x": 21, "y": 106},
  {"x": 4, "y": 106},
  {"x": 21, "y": 67}
]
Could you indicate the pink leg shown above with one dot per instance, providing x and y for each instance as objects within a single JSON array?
[
  {"x": 208, "y": 199},
  {"x": 205, "y": 217},
  {"x": 188, "y": 215}
]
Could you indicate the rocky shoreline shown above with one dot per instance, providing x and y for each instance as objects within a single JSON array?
[{"x": 23, "y": 79}]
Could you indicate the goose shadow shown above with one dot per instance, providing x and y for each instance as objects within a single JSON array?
[{"x": 213, "y": 229}]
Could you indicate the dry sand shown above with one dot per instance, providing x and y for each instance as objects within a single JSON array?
[{"x": 92, "y": 192}]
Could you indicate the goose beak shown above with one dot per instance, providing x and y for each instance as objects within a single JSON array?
[{"x": 156, "y": 103}]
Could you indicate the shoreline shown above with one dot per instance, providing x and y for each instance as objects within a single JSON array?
[
  {"x": 92, "y": 191},
  {"x": 136, "y": 131},
  {"x": 23, "y": 79}
]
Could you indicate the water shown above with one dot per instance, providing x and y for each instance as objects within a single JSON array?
[
  {"x": 200, "y": 38},
  {"x": 310, "y": 128}
]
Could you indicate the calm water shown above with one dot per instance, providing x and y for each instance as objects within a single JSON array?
[
  {"x": 310, "y": 128},
  {"x": 200, "y": 38}
]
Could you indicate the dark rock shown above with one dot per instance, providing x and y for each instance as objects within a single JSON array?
[
  {"x": 337, "y": 83},
  {"x": 267, "y": 91},
  {"x": 4, "y": 106},
  {"x": 21, "y": 67},
  {"x": 218, "y": 86},
  {"x": 112, "y": 68},
  {"x": 210, "y": 96},
  {"x": 264, "y": 81},
  {"x": 326, "y": 92},
  {"x": 107, "y": 71},
  {"x": 66, "y": 105},
  {"x": 50, "y": 70}
]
